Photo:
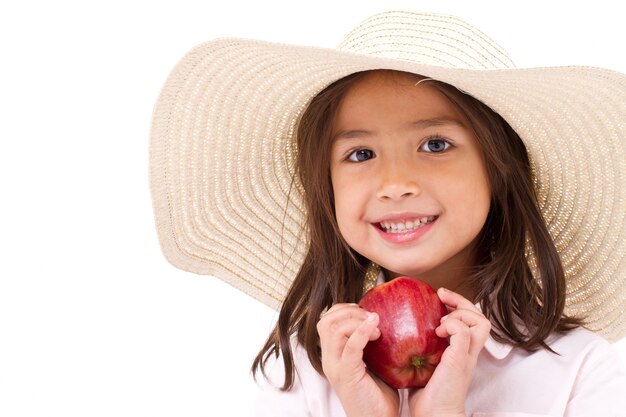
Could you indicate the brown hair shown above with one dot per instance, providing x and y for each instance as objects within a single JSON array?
[{"x": 509, "y": 289}]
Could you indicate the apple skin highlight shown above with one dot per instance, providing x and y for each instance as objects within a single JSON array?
[{"x": 408, "y": 350}]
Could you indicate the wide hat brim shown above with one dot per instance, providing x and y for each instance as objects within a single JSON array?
[{"x": 222, "y": 152}]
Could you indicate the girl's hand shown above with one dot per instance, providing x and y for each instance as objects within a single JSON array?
[
  {"x": 468, "y": 329},
  {"x": 344, "y": 331}
]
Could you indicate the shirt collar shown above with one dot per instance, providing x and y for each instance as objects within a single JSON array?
[
  {"x": 493, "y": 347},
  {"x": 496, "y": 349}
]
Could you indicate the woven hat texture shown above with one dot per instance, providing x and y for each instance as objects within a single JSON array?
[{"x": 222, "y": 151}]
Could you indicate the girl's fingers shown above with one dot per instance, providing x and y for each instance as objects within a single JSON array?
[
  {"x": 344, "y": 332},
  {"x": 455, "y": 301},
  {"x": 342, "y": 311},
  {"x": 460, "y": 341},
  {"x": 465, "y": 324},
  {"x": 471, "y": 318},
  {"x": 335, "y": 337},
  {"x": 337, "y": 316},
  {"x": 368, "y": 329},
  {"x": 338, "y": 324}
]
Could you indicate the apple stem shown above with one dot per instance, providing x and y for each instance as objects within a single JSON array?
[{"x": 418, "y": 361}]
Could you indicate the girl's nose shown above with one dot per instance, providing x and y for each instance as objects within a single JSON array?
[{"x": 398, "y": 181}]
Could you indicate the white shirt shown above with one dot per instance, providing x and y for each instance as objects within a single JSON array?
[{"x": 586, "y": 379}]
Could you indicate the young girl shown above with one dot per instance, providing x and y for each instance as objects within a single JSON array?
[{"x": 415, "y": 150}]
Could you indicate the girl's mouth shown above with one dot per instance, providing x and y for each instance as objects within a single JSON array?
[
  {"x": 405, "y": 226},
  {"x": 404, "y": 231}
]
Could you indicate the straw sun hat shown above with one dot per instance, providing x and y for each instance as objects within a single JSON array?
[{"x": 221, "y": 152}]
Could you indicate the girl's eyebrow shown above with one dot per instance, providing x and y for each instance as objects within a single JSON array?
[
  {"x": 420, "y": 124},
  {"x": 437, "y": 121},
  {"x": 350, "y": 134}
]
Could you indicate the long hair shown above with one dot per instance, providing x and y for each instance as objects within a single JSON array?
[{"x": 511, "y": 289}]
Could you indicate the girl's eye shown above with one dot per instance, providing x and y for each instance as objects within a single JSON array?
[
  {"x": 361, "y": 155},
  {"x": 435, "y": 145}
]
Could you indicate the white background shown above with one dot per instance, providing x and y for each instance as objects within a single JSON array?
[{"x": 93, "y": 320}]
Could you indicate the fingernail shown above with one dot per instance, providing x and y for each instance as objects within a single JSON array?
[
  {"x": 371, "y": 317},
  {"x": 444, "y": 318}
]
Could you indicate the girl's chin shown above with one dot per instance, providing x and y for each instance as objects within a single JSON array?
[{"x": 404, "y": 272}]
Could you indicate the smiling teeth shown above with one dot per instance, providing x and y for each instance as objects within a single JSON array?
[{"x": 407, "y": 226}]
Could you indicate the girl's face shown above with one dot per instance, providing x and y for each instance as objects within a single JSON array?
[{"x": 409, "y": 181}]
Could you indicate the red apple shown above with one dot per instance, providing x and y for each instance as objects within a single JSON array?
[{"x": 408, "y": 350}]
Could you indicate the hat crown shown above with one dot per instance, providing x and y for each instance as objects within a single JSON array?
[{"x": 429, "y": 39}]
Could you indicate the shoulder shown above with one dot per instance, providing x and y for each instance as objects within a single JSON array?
[
  {"x": 584, "y": 377},
  {"x": 572, "y": 351},
  {"x": 580, "y": 353},
  {"x": 600, "y": 375},
  {"x": 310, "y": 395},
  {"x": 578, "y": 338},
  {"x": 583, "y": 347},
  {"x": 304, "y": 372}
]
